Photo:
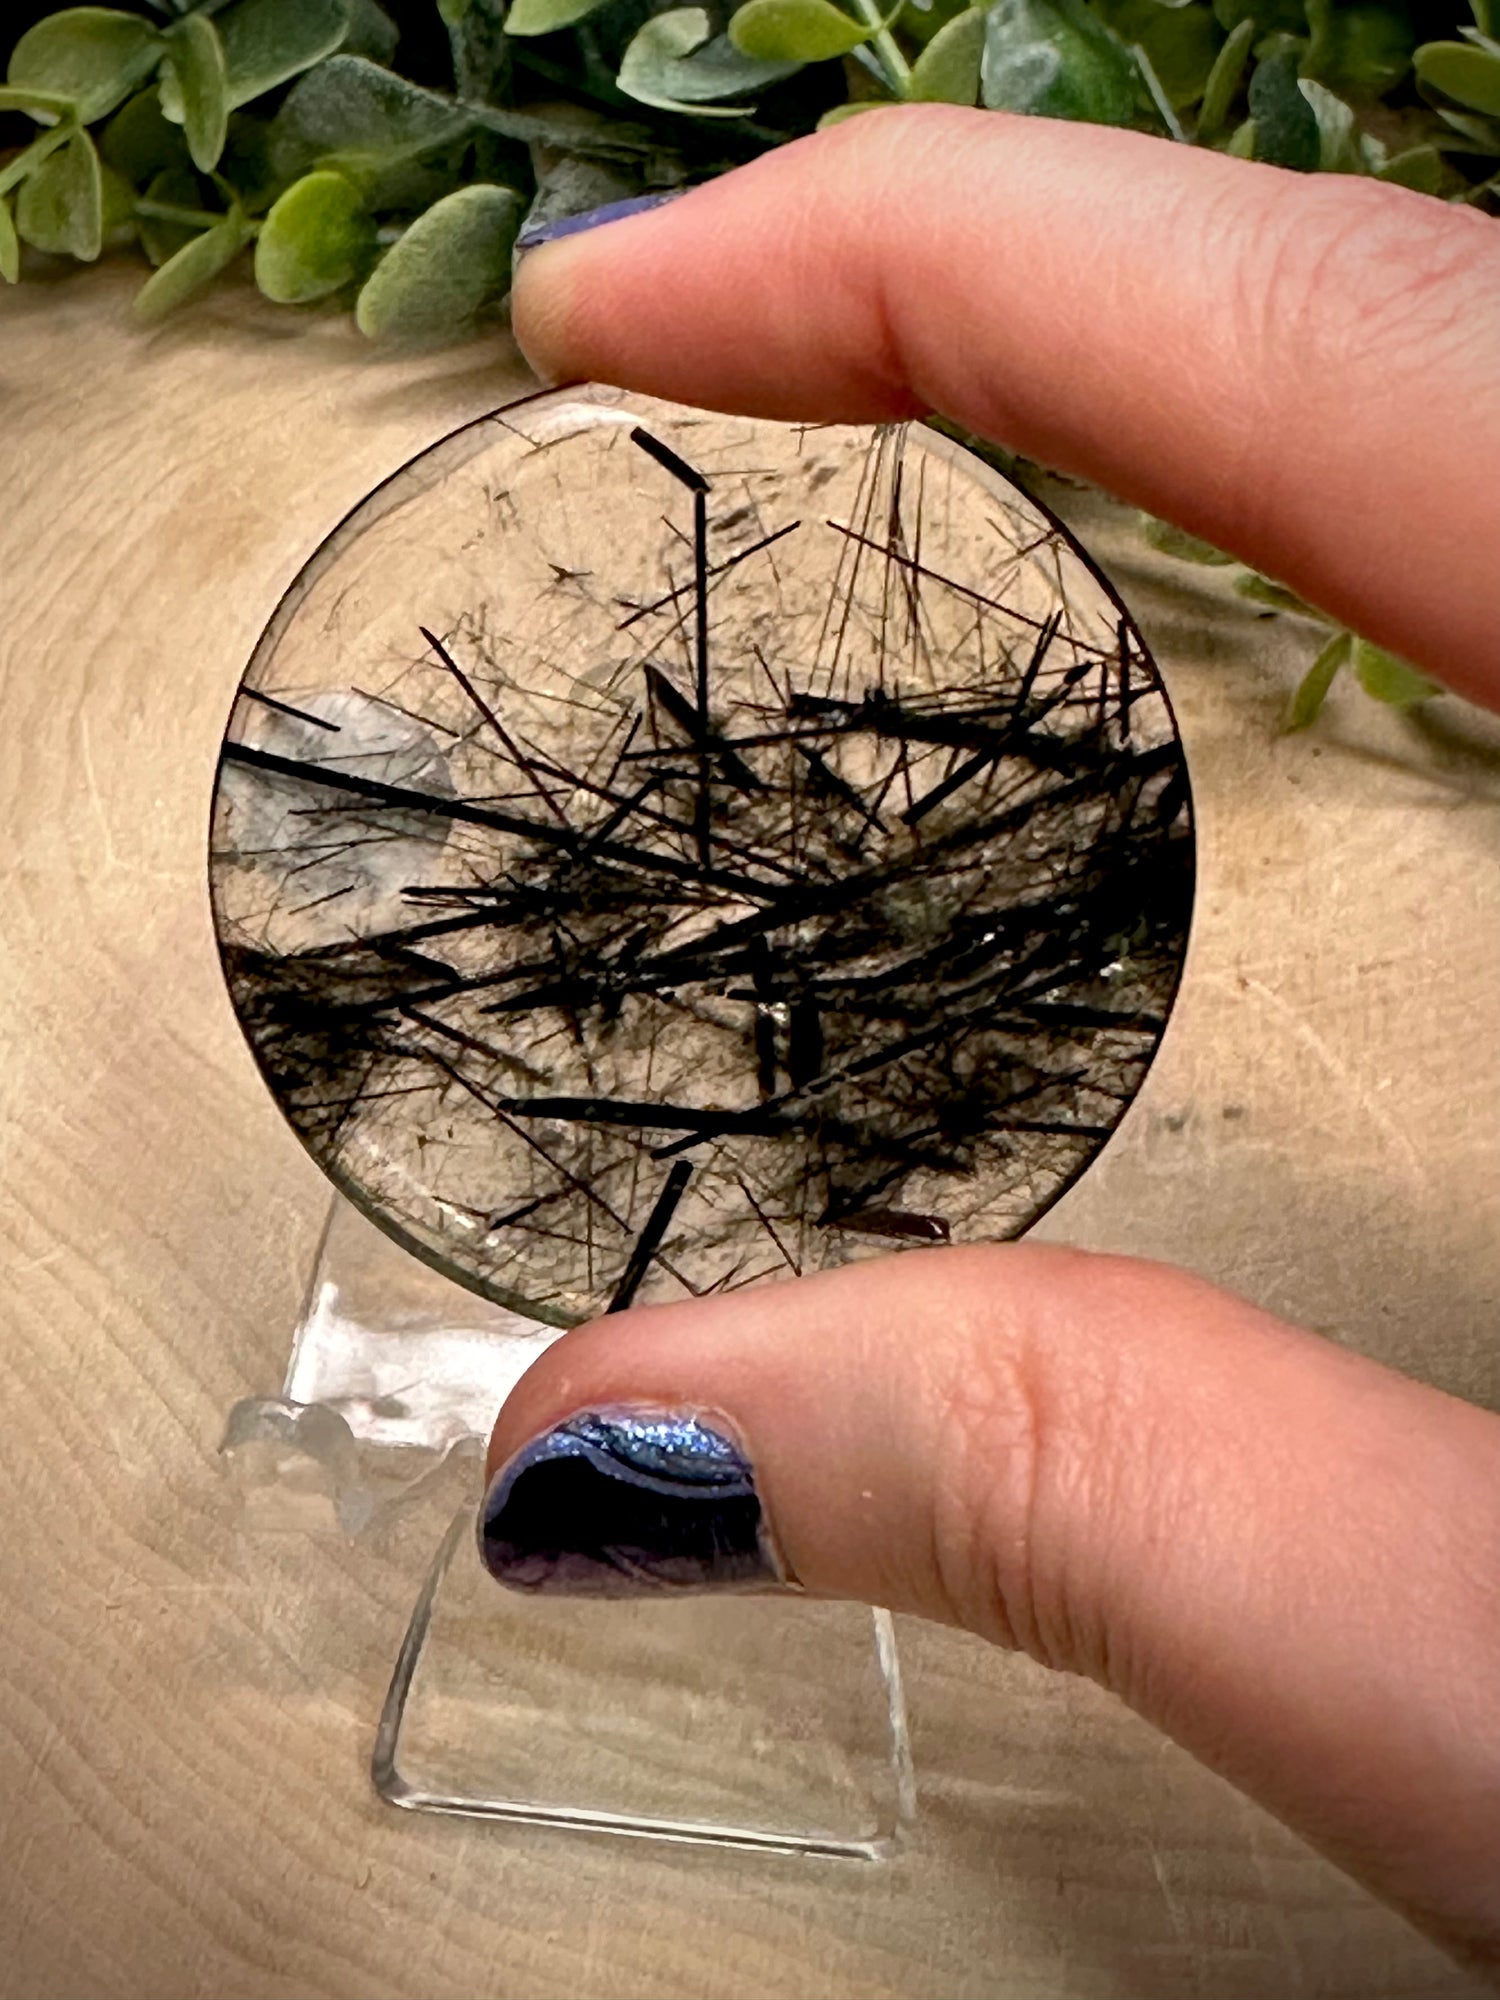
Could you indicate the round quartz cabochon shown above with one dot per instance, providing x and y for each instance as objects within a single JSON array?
[{"x": 656, "y": 851}]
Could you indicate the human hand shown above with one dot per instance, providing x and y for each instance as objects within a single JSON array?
[{"x": 1285, "y": 1556}]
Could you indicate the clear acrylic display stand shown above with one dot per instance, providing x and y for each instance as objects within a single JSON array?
[{"x": 761, "y": 1722}]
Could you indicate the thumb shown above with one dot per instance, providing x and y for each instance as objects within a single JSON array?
[{"x": 1282, "y": 1554}]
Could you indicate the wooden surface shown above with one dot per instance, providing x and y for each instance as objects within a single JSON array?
[{"x": 187, "y": 1711}]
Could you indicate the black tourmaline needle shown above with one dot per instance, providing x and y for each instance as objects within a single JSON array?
[
  {"x": 649, "y": 1241},
  {"x": 465, "y": 810},
  {"x": 697, "y": 485}
]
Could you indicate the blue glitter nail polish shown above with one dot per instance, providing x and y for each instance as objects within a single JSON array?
[
  {"x": 591, "y": 218},
  {"x": 612, "y": 1504}
]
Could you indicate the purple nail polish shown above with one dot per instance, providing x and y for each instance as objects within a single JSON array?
[
  {"x": 538, "y": 233},
  {"x": 617, "y": 1503}
]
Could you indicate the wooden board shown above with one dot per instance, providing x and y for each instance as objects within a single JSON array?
[{"x": 187, "y": 1711}]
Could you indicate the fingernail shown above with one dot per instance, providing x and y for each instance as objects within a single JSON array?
[
  {"x": 618, "y": 1503},
  {"x": 537, "y": 233}
]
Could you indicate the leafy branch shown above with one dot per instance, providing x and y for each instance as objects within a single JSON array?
[
  {"x": 204, "y": 130},
  {"x": 288, "y": 132}
]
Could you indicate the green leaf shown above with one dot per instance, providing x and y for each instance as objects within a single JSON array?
[
  {"x": 1241, "y": 145},
  {"x": 140, "y": 143},
  {"x": 795, "y": 31},
  {"x": 1338, "y": 146},
  {"x": 1182, "y": 42},
  {"x": 920, "y": 20},
  {"x": 1055, "y": 59},
  {"x": 1286, "y": 126},
  {"x": 176, "y": 187},
  {"x": 266, "y": 43},
  {"x": 947, "y": 70},
  {"x": 1389, "y": 679},
  {"x": 375, "y": 128},
  {"x": 451, "y": 264},
  {"x": 1419, "y": 167},
  {"x": 674, "y": 64},
  {"x": 196, "y": 57},
  {"x": 192, "y": 269},
  {"x": 1364, "y": 47},
  {"x": 1312, "y": 690},
  {"x": 1476, "y": 134},
  {"x": 1486, "y": 16},
  {"x": 317, "y": 238},
  {"x": 117, "y": 208},
  {"x": 1224, "y": 80},
  {"x": 545, "y": 17},
  {"x": 92, "y": 56},
  {"x": 348, "y": 104},
  {"x": 61, "y": 206},
  {"x": 1174, "y": 541},
  {"x": 43, "y": 105},
  {"x": 10, "y": 246},
  {"x": 1275, "y": 596},
  {"x": 1458, "y": 70}
]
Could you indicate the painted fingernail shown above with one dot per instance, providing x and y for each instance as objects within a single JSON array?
[
  {"x": 616, "y": 1503},
  {"x": 537, "y": 233}
]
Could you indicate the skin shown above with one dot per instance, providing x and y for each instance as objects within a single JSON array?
[{"x": 1285, "y": 1556}]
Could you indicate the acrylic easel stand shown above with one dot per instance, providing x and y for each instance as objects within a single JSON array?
[{"x": 754, "y": 1722}]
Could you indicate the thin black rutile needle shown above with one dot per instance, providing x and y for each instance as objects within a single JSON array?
[
  {"x": 770, "y": 1228},
  {"x": 963, "y": 589},
  {"x": 664, "y": 602},
  {"x": 516, "y": 754}
]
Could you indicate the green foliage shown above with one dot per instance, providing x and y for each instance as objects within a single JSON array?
[
  {"x": 1468, "y": 74},
  {"x": 1389, "y": 679},
  {"x": 1057, "y": 59},
  {"x": 1222, "y": 87},
  {"x": 318, "y": 237},
  {"x": 795, "y": 31},
  {"x": 192, "y": 268},
  {"x": 61, "y": 206},
  {"x": 91, "y": 58},
  {"x": 947, "y": 70},
  {"x": 1312, "y": 690},
  {"x": 200, "y": 73},
  {"x": 10, "y": 246},
  {"x": 1419, "y": 168},
  {"x": 1173, "y": 541},
  {"x": 1382, "y": 675},
  {"x": 1362, "y": 48},
  {"x": 1286, "y": 126},
  {"x": 196, "y": 129},
  {"x": 140, "y": 143},
  {"x": 267, "y": 42},
  {"x": 449, "y": 268},
  {"x": 675, "y": 63},
  {"x": 395, "y": 141},
  {"x": 547, "y": 17}
]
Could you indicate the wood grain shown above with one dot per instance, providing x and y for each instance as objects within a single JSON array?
[{"x": 187, "y": 1710}]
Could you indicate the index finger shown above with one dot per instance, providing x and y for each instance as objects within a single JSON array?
[{"x": 1302, "y": 369}]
